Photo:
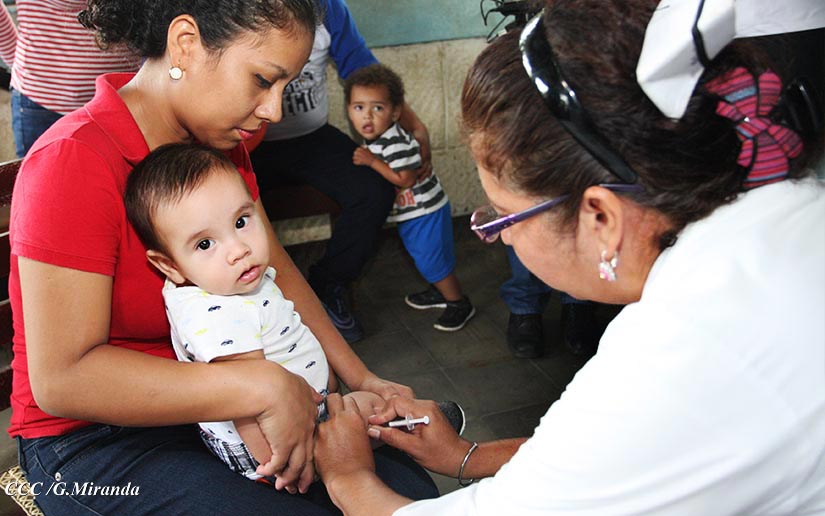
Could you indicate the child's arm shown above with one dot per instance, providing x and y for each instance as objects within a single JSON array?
[
  {"x": 248, "y": 427},
  {"x": 401, "y": 179},
  {"x": 254, "y": 439}
]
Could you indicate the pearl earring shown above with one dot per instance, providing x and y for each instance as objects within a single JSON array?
[
  {"x": 175, "y": 73},
  {"x": 607, "y": 269}
]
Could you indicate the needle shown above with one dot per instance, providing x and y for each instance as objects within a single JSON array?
[{"x": 409, "y": 422}]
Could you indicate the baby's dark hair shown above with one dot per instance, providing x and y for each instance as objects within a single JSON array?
[
  {"x": 688, "y": 167},
  {"x": 376, "y": 75},
  {"x": 165, "y": 176},
  {"x": 142, "y": 24}
]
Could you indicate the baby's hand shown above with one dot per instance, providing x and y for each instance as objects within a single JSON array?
[
  {"x": 306, "y": 479},
  {"x": 363, "y": 156}
]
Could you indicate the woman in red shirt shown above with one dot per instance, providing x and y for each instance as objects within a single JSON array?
[{"x": 98, "y": 399}]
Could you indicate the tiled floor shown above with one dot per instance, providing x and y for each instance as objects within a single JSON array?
[{"x": 502, "y": 396}]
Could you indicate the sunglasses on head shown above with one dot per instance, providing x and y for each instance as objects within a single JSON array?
[
  {"x": 545, "y": 73},
  {"x": 539, "y": 62}
]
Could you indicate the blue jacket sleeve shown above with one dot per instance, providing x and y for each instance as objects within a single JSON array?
[{"x": 347, "y": 48}]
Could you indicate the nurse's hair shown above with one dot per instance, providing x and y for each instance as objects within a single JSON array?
[
  {"x": 142, "y": 25},
  {"x": 165, "y": 176},
  {"x": 688, "y": 167}
]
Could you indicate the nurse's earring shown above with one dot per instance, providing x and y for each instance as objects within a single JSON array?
[
  {"x": 607, "y": 269},
  {"x": 175, "y": 73}
]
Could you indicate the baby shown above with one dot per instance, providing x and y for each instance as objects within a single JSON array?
[{"x": 195, "y": 215}]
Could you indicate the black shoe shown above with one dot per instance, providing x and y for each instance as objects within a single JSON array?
[
  {"x": 430, "y": 298},
  {"x": 525, "y": 335},
  {"x": 578, "y": 326},
  {"x": 340, "y": 314},
  {"x": 456, "y": 315},
  {"x": 454, "y": 414}
]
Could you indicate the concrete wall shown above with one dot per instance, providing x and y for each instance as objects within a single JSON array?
[
  {"x": 6, "y": 137},
  {"x": 402, "y": 22}
]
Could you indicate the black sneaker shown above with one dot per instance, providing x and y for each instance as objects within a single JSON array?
[
  {"x": 454, "y": 414},
  {"x": 430, "y": 298},
  {"x": 455, "y": 315},
  {"x": 525, "y": 335},
  {"x": 339, "y": 313}
]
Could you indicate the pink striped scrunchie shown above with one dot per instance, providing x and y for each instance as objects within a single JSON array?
[{"x": 767, "y": 146}]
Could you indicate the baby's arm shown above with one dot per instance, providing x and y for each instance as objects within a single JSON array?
[
  {"x": 248, "y": 427},
  {"x": 401, "y": 179}
]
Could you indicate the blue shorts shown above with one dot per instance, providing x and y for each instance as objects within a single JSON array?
[{"x": 429, "y": 240}]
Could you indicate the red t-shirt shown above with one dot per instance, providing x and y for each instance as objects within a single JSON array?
[{"x": 67, "y": 210}]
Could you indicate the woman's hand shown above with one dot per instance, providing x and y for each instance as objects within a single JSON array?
[
  {"x": 342, "y": 447},
  {"x": 288, "y": 424},
  {"x": 435, "y": 446},
  {"x": 384, "y": 388}
]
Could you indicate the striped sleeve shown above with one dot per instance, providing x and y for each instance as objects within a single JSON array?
[
  {"x": 399, "y": 149},
  {"x": 8, "y": 37},
  {"x": 57, "y": 59}
]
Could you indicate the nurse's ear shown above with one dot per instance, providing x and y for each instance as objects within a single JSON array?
[{"x": 602, "y": 220}]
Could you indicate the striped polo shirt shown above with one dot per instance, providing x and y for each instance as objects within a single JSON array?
[{"x": 401, "y": 151}]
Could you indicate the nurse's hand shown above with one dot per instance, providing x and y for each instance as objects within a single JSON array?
[
  {"x": 342, "y": 447},
  {"x": 435, "y": 446}
]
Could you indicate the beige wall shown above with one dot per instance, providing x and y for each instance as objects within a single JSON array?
[{"x": 6, "y": 137}]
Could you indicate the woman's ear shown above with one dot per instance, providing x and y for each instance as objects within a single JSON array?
[
  {"x": 602, "y": 217},
  {"x": 165, "y": 265},
  {"x": 182, "y": 41}
]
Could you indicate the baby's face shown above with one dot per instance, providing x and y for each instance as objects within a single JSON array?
[
  {"x": 371, "y": 111},
  {"x": 214, "y": 236}
]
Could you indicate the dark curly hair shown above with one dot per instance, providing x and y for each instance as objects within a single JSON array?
[
  {"x": 376, "y": 75},
  {"x": 142, "y": 24},
  {"x": 688, "y": 167}
]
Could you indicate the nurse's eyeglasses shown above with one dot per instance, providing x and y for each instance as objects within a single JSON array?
[
  {"x": 487, "y": 224},
  {"x": 539, "y": 62}
]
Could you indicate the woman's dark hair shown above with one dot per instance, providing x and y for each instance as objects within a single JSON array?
[
  {"x": 165, "y": 176},
  {"x": 688, "y": 167},
  {"x": 376, "y": 75},
  {"x": 142, "y": 24}
]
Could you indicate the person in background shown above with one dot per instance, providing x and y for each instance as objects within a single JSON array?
[
  {"x": 54, "y": 61},
  {"x": 526, "y": 297},
  {"x": 98, "y": 395},
  {"x": 375, "y": 96},
  {"x": 304, "y": 149},
  {"x": 707, "y": 393}
]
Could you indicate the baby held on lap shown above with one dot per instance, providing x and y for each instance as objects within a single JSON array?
[{"x": 197, "y": 219}]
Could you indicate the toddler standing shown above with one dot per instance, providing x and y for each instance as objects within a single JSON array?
[{"x": 374, "y": 96}]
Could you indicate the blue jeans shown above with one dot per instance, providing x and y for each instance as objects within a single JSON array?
[
  {"x": 28, "y": 121},
  {"x": 168, "y": 471},
  {"x": 524, "y": 293}
]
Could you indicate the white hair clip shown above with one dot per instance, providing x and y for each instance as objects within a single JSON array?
[{"x": 684, "y": 35}]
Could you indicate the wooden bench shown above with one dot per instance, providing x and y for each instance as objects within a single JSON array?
[
  {"x": 10, "y": 473},
  {"x": 285, "y": 202}
]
